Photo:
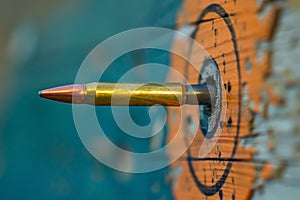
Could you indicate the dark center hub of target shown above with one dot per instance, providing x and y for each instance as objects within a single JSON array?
[{"x": 209, "y": 114}]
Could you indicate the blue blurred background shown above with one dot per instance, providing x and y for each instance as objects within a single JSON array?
[{"x": 42, "y": 45}]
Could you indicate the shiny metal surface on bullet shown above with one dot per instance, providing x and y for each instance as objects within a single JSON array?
[{"x": 131, "y": 94}]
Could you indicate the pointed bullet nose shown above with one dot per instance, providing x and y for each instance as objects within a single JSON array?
[{"x": 68, "y": 94}]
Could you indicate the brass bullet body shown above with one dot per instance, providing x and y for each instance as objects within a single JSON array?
[{"x": 134, "y": 94}]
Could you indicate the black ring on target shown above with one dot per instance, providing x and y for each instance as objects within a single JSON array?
[{"x": 211, "y": 190}]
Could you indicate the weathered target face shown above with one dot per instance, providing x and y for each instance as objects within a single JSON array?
[
  {"x": 216, "y": 165},
  {"x": 228, "y": 82}
]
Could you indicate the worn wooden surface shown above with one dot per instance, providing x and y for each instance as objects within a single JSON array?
[{"x": 255, "y": 45}]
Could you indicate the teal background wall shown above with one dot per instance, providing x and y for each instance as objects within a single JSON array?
[{"x": 41, "y": 155}]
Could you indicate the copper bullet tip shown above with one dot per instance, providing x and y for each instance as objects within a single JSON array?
[{"x": 69, "y": 94}]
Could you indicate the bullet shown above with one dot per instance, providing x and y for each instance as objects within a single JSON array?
[{"x": 131, "y": 94}]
